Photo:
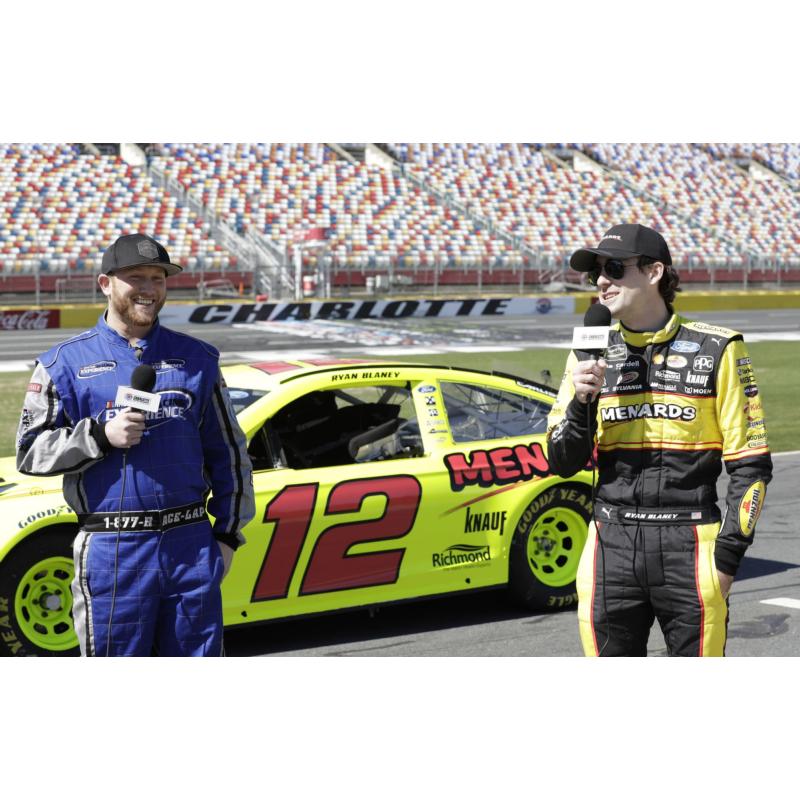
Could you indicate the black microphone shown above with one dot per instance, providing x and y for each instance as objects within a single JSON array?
[
  {"x": 139, "y": 394},
  {"x": 143, "y": 378},
  {"x": 596, "y": 316}
]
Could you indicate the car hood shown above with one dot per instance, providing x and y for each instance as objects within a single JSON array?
[{"x": 15, "y": 484}]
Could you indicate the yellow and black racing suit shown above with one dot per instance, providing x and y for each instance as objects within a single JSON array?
[{"x": 675, "y": 404}]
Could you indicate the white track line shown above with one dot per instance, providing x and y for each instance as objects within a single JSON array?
[
  {"x": 381, "y": 352},
  {"x": 786, "y": 602},
  {"x": 16, "y": 366},
  {"x": 770, "y": 336},
  {"x": 485, "y": 348}
]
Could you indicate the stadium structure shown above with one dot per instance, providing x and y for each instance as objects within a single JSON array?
[{"x": 292, "y": 220}]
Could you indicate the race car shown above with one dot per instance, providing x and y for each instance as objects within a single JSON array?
[{"x": 375, "y": 482}]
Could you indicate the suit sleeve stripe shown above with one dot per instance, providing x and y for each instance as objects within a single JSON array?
[
  {"x": 659, "y": 445},
  {"x": 236, "y": 460},
  {"x": 51, "y": 404},
  {"x": 756, "y": 451}
]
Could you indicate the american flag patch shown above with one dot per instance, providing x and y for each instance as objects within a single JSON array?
[
  {"x": 35, "y": 388},
  {"x": 696, "y": 515}
]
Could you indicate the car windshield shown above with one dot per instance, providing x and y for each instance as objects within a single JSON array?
[
  {"x": 241, "y": 398},
  {"x": 481, "y": 412}
]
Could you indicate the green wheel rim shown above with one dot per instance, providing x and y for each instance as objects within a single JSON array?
[
  {"x": 43, "y": 604},
  {"x": 554, "y": 546}
]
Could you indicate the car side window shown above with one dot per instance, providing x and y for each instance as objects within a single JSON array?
[
  {"x": 265, "y": 450},
  {"x": 481, "y": 412},
  {"x": 346, "y": 425}
]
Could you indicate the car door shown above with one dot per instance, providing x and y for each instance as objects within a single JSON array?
[{"x": 490, "y": 446}]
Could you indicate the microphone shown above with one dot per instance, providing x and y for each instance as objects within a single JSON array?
[
  {"x": 139, "y": 394},
  {"x": 143, "y": 378},
  {"x": 591, "y": 340}
]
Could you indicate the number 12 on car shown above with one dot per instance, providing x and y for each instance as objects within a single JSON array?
[{"x": 330, "y": 566}]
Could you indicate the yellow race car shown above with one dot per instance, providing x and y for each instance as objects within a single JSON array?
[{"x": 375, "y": 482}]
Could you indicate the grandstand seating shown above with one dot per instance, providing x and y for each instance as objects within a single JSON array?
[
  {"x": 757, "y": 217},
  {"x": 373, "y": 217},
  {"x": 781, "y": 158},
  {"x": 448, "y": 214},
  {"x": 60, "y": 209},
  {"x": 552, "y": 209}
]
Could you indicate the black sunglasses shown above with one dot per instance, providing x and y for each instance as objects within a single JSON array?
[{"x": 614, "y": 269}]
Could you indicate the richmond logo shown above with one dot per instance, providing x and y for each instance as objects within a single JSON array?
[{"x": 460, "y": 555}]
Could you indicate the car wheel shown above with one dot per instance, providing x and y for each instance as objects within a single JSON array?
[
  {"x": 35, "y": 596},
  {"x": 547, "y": 545}
]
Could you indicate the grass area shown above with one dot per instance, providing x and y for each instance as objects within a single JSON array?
[
  {"x": 12, "y": 393},
  {"x": 772, "y": 361}
]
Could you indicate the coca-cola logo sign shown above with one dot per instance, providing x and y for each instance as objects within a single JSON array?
[{"x": 33, "y": 319}]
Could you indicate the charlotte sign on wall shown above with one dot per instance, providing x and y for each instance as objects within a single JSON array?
[{"x": 226, "y": 314}]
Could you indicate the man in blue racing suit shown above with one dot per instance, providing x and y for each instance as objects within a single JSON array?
[{"x": 148, "y": 562}]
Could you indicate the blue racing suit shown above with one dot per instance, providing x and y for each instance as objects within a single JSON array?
[{"x": 146, "y": 549}]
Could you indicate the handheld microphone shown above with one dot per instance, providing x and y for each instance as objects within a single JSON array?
[
  {"x": 139, "y": 394},
  {"x": 144, "y": 378},
  {"x": 591, "y": 340}
]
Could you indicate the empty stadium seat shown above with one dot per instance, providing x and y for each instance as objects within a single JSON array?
[{"x": 502, "y": 212}]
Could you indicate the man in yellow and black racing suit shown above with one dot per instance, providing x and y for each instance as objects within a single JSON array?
[{"x": 676, "y": 399}]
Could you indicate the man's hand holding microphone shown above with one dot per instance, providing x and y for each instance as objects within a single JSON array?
[
  {"x": 587, "y": 377},
  {"x": 126, "y": 428},
  {"x": 589, "y": 343}
]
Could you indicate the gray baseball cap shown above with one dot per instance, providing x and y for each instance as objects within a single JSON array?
[{"x": 135, "y": 250}]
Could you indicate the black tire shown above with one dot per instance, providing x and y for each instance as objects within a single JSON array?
[
  {"x": 546, "y": 547},
  {"x": 36, "y": 604}
]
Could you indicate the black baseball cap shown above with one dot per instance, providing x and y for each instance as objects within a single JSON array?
[
  {"x": 623, "y": 241},
  {"x": 136, "y": 250}
]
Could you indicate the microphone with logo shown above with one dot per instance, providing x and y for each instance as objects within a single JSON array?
[
  {"x": 591, "y": 340},
  {"x": 589, "y": 344},
  {"x": 139, "y": 396}
]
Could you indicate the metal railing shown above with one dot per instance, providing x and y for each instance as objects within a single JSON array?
[
  {"x": 350, "y": 273},
  {"x": 220, "y": 231}
]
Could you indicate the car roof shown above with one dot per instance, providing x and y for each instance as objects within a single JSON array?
[{"x": 270, "y": 374}]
